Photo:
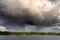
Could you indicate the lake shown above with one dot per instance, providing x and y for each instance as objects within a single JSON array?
[{"x": 32, "y": 37}]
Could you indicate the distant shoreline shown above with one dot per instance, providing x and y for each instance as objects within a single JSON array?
[{"x": 29, "y": 33}]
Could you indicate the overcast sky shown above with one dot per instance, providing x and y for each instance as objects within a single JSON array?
[{"x": 29, "y": 15}]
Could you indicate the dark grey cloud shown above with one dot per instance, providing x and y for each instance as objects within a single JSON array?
[{"x": 14, "y": 13}]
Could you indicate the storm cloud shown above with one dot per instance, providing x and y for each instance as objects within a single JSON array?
[{"x": 31, "y": 12}]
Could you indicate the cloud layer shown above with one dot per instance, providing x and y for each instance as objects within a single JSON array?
[{"x": 34, "y": 12}]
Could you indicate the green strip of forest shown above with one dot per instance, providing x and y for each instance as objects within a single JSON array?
[{"x": 29, "y": 33}]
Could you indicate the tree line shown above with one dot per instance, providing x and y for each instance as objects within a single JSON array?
[{"x": 29, "y": 33}]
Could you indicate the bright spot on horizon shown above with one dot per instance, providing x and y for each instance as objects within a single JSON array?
[
  {"x": 58, "y": 27},
  {"x": 29, "y": 28},
  {"x": 2, "y": 28}
]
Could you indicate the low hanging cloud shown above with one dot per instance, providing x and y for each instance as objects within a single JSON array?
[{"x": 33, "y": 12}]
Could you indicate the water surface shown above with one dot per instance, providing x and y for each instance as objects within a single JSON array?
[{"x": 34, "y": 37}]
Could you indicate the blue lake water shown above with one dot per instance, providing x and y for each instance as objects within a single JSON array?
[{"x": 34, "y": 37}]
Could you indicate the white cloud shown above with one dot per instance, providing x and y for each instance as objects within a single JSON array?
[{"x": 2, "y": 28}]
